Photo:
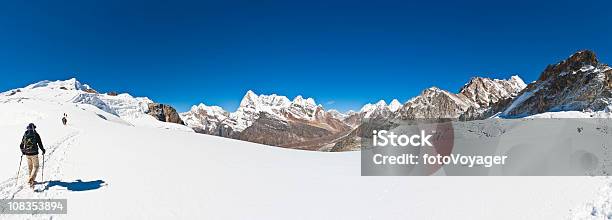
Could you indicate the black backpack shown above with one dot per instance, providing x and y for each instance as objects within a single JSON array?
[{"x": 30, "y": 143}]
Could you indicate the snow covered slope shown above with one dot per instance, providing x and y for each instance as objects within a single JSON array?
[
  {"x": 108, "y": 169},
  {"x": 132, "y": 110}
]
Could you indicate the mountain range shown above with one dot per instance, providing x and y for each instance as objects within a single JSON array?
[{"x": 579, "y": 84}]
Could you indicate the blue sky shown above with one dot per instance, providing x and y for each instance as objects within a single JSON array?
[{"x": 342, "y": 53}]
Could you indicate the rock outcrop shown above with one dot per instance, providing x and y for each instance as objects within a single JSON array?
[
  {"x": 90, "y": 90},
  {"x": 579, "y": 83},
  {"x": 165, "y": 113}
]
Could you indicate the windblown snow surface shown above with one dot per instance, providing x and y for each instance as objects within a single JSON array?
[{"x": 110, "y": 169}]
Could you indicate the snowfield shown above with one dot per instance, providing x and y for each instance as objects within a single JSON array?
[{"x": 110, "y": 168}]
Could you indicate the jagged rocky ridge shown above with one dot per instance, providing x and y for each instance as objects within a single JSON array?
[
  {"x": 268, "y": 119},
  {"x": 478, "y": 95},
  {"x": 301, "y": 123},
  {"x": 579, "y": 83}
]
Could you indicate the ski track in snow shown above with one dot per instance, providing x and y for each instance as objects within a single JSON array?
[{"x": 54, "y": 159}]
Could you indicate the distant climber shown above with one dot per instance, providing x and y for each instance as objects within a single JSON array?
[
  {"x": 29, "y": 146},
  {"x": 65, "y": 119}
]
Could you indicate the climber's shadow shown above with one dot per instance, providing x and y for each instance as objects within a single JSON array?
[{"x": 77, "y": 185}]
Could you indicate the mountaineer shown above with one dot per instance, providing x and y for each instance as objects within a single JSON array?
[{"x": 29, "y": 146}]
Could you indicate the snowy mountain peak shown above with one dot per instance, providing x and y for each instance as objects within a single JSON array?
[
  {"x": 253, "y": 106},
  {"x": 203, "y": 118},
  {"x": 381, "y": 103},
  {"x": 274, "y": 100},
  {"x": 249, "y": 99},
  {"x": 260, "y": 118},
  {"x": 250, "y": 93},
  {"x": 337, "y": 114},
  {"x": 432, "y": 89},
  {"x": 208, "y": 109},
  {"x": 299, "y": 100},
  {"x": 367, "y": 107},
  {"x": 515, "y": 79},
  {"x": 380, "y": 109},
  {"x": 483, "y": 92},
  {"x": 254, "y": 101},
  {"x": 394, "y": 105},
  {"x": 69, "y": 84}
]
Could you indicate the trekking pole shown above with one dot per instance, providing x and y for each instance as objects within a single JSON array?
[
  {"x": 18, "y": 170},
  {"x": 43, "y": 170}
]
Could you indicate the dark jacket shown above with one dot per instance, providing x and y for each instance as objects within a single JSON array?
[{"x": 34, "y": 151}]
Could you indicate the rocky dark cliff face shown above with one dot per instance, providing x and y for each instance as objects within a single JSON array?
[
  {"x": 574, "y": 63},
  {"x": 579, "y": 83},
  {"x": 164, "y": 113},
  {"x": 271, "y": 131}
]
